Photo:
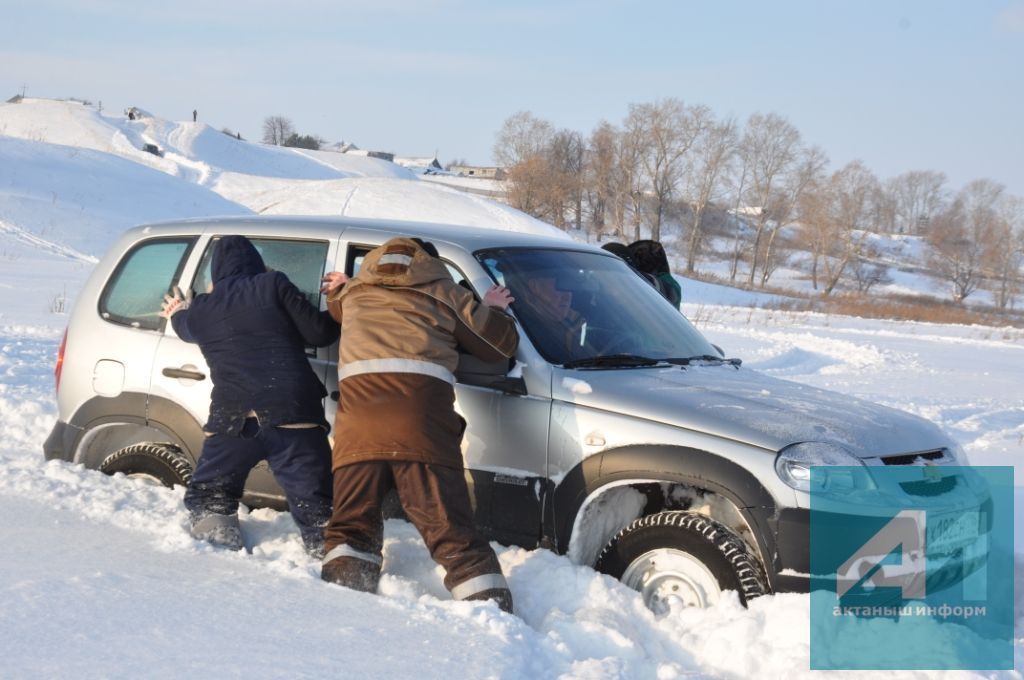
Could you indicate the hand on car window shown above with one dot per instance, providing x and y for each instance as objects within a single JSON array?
[
  {"x": 332, "y": 282},
  {"x": 498, "y": 297},
  {"x": 175, "y": 303}
]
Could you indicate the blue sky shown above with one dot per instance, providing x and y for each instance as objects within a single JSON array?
[{"x": 901, "y": 85}]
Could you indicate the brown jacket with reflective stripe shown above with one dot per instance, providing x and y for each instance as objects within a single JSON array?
[{"x": 402, "y": 319}]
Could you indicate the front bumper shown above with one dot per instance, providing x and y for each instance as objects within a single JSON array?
[{"x": 793, "y": 550}]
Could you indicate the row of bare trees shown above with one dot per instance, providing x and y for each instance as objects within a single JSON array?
[{"x": 763, "y": 193}]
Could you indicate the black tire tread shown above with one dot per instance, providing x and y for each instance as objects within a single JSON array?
[
  {"x": 178, "y": 467},
  {"x": 746, "y": 567}
]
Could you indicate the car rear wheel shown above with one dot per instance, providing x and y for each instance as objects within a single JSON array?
[
  {"x": 156, "y": 463},
  {"x": 682, "y": 559}
]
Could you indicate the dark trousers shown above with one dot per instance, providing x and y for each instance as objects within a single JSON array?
[
  {"x": 435, "y": 499},
  {"x": 300, "y": 459}
]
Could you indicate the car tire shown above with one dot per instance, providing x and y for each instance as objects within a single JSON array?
[
  {"x": 158, "y": 463},
  {"x": 685, "y": 558}
]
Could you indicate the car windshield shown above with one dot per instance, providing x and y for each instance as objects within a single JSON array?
[{"x": 576, "y": 306}]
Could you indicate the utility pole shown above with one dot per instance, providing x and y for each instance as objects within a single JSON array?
[{"x": 23, "y": 86}]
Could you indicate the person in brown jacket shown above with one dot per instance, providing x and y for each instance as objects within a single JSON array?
[{"x": 403, "y": 319}]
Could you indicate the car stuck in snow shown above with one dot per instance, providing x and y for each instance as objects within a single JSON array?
[{"x": 618, "y": 435}]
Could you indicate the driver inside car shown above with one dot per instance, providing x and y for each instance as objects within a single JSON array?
[{"x": 556, "y": 327}]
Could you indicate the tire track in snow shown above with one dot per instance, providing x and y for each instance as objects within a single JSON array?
[{"x": 31, "y": 239}]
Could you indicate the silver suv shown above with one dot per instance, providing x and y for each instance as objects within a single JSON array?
[{"x": 618, "y": 436}]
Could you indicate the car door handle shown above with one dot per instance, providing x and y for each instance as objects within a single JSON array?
[{"x": 183, "y": 373}]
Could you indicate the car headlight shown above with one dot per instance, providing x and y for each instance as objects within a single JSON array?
[{"x": 794, "y": 468}]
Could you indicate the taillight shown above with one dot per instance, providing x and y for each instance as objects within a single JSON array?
[{"x": 60, "y": 358}]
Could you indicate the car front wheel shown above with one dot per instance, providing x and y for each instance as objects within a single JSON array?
[{"x": 684, "y": 559}]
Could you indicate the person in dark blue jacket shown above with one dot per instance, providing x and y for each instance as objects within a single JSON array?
[{"x": 252, "y": 328}]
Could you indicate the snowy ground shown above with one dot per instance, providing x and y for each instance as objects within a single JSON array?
[{"x": 98, "y": 577}]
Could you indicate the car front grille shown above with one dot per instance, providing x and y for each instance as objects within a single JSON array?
[{"x": 915, "y": 458}]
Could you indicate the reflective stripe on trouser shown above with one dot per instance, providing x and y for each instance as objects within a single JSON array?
[
  {"x": 479, "y": 584},
  {"x": 345, "y": 550},
  {"x": 436, "y": 501}
]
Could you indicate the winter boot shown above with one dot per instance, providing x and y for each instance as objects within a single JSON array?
[
  {"x": 351, "y": 572},
  {"x": 501, "y": 596},
  {"x": 219, "y": 530}
]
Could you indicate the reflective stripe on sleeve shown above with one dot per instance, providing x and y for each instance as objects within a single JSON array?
[
  {"x": 479, "y": 584},
  {"x": 396, "y": 366},
  {"x": 345, "y": 550}
]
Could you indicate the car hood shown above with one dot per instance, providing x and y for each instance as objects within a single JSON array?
[{"x": 743, "y": 405}]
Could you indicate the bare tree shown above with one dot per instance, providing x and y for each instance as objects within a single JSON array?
[
  {"x": 884, "y": 210},
  {"x": 713, "y": 150},
  {"x": 916, "y": 197},
  {"x": 1006, "y": 255},
  {"x": 566, "y": 152},
  {"x": 671, "y": 129},
  {"x": 960, "y": 238},
  {"x": 849, "y": 198},
  {"x": 277, "y": 130},
  {"x": 811, "y": 163},
  {"x": 602, "y": 191},
  {"x": 866, "y": 271},
  {"x": 527, "y": 186},
  {"x": 521, "y": 146},
  {"x": 737, "y": 182},
  {"x": 632, "y": 149},
  {"x": 521, "y": 137},
  {"x": 812, "y": 213},
  {"x": 768, "y": 150}
]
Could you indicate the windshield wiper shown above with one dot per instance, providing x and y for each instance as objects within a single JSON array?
[
  {"x": 612, "y": 360},
  {"x": 686, "y": 361}
]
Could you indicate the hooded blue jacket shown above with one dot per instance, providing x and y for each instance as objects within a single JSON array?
[{"x": 253, "y": 329}]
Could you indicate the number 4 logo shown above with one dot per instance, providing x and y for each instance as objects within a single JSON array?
[{"x": 871, "y": 564}]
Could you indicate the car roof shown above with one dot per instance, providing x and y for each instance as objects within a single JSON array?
[{"x": 467, "y": 237}]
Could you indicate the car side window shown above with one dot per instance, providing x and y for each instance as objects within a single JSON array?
[
  {"x": 302, "y": 261},
  {"x": 134, "y": 293}
]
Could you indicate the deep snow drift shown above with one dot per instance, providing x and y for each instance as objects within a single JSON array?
[{"x": 98, "y": 576}]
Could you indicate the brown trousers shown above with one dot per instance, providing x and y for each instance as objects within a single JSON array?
[{"x": 435, "y": 499}]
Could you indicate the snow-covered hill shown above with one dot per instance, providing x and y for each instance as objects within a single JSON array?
[
  {"x": 76, "y": 177},
  {"x": 99, "y": 578}
]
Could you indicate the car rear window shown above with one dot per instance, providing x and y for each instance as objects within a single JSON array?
[{"x": 133, "y": 295}]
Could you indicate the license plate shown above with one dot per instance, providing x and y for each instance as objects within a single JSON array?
[{"x": 951, "y": 531}]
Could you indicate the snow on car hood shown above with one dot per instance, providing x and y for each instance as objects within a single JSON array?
[{"x": 744, "y": 405}]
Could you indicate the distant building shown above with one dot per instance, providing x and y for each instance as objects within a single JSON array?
[
  {"x": 479, "y": 171},
  {"x": 420, "y": 164},
  {"x": 339, "y": 147},
  {"x": 353, "y": 150}
]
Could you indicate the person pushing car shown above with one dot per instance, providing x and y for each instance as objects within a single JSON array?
[
  {"x": 252, "y": 329},
  {"x": 403, "y": 319}
]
